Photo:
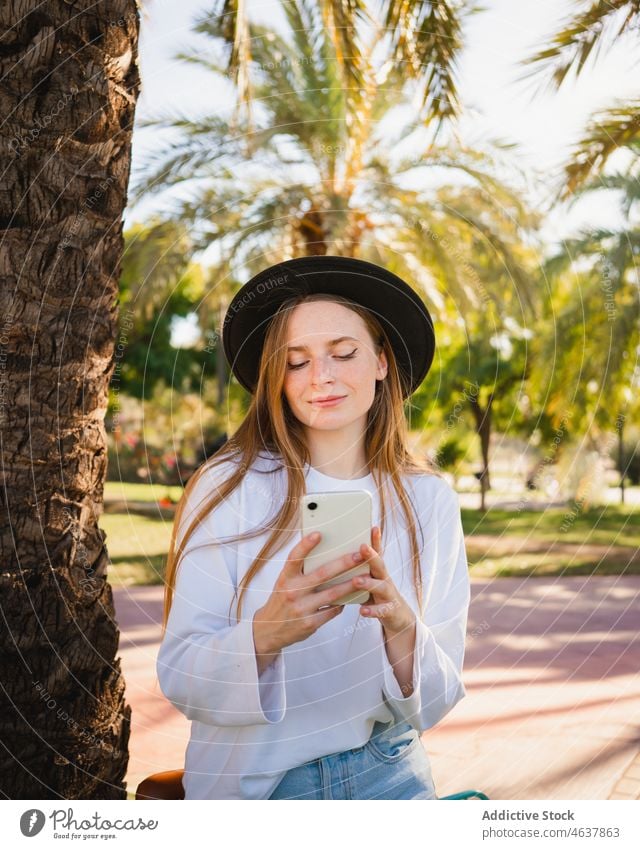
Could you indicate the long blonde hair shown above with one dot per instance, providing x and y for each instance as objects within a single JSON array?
[{"x": 270, "y": 425}]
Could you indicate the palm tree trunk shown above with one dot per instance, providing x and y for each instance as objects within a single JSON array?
[
  {"x": 312, "y": 233},
  {"x": 68, "y": 93}
]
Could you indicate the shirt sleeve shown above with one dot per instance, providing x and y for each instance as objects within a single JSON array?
[
  {"x": 206, "y": 666},
  {"x": 440, "y": 634}
]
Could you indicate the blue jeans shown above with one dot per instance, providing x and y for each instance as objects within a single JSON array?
[{"x": 392, "y": 765}]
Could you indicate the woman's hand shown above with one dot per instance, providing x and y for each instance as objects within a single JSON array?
[
  {"x": 387, "y": 604},
  {"x": 291, "y": 613}
]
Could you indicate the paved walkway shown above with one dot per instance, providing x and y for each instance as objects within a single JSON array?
[{"x": 553, "y": 691}]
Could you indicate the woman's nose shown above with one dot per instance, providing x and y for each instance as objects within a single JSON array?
[{"x": 321, "y": 370}]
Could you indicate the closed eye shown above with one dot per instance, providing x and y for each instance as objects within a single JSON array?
[{"x": 295, "y": 366}]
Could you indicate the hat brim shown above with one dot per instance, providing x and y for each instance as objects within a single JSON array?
[{"x": 393, "y": 302}]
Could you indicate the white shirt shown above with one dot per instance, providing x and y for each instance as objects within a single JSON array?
[{"x": 321, "y": 695}]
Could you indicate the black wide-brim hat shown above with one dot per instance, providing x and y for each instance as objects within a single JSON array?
[{"x": 393, "y": 302}]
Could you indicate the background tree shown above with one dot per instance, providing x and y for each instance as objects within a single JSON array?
[
  {"x": 68, "y": 91},
  {"x": 483, "y": 356},
  {"x": 593, "y": 28},
  {"x": 596, "y": 311},
  {"x": 159, "y": 283}
]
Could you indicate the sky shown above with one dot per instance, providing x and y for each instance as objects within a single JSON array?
[{"x": 496, "y": 105}]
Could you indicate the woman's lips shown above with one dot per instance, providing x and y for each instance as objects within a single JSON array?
[{"x": 330, "y": 403}]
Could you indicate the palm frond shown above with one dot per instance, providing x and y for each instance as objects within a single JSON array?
[
  {"x": 605, "y": 133},
  {"x": 155, "y": 257},
  {"x": 581, "y": 36},
  {"x": 479, "y": 165},
  {"x": 175, "y": 163},
  {"x": 342, "y": 19},
  {"x": 212, "y": 211},
  {"x": 270, "y": 220},
  {"x": 426, "y": 42},
  {"x": 507, "y": 260},
  {"x": 616, "y": 181},
  {"x": 201, "y": 144},
  {"x": 194, "y": 57},
  {"x": 389, "y": 93},
  {"x": 296, "y": 89},
  {"x": 308, "y": 35},
  {"x": 240, "y": 214}
]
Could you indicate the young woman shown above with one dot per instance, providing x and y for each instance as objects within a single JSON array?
[{"x": 291, "y": 698}]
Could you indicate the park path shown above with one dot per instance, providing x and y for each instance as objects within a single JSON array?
[{"x": 553, "y": 691}]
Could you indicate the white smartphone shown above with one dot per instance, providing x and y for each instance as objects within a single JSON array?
[{"x": 344, "y": 521}]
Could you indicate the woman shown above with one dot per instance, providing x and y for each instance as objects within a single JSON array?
[{"x": 290, "y": 697}]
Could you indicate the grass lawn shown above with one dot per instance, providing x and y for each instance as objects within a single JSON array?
[
  {"x": 556, "y": 541},
  {"x": 118, "y": 491},
  {"x": 607, "y": 525},
  {"x": 499, "y": 543},
  {"x": 138, "y": 548}
]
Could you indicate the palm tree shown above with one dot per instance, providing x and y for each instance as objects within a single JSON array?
[
  {"x": 299, "y": 181},
  {"x": 583, "y": 35},
  {"x": 70, "y": 83}
]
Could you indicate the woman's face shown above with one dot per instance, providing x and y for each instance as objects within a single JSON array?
[{"x": 330, "y": 354}]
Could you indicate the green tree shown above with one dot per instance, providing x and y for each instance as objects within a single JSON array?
[
  {"x": 596, "y": 307},
  {"x": 484, "y": 356},
  {"x": 159, "y": 282}
]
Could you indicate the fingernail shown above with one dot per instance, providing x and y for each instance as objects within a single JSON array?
[
  {"x": 357, "y": 557},
  {"x": 366, "y": 610},
  {"x": 359, "y": 581},
  {"x": 314, "y": 536}
]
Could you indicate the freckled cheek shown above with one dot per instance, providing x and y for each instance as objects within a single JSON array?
[
  {"x": 292, "y": 388},
  {"x": 360, "y": 377}
]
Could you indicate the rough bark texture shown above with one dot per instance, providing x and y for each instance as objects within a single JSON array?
[{"x": 68, "y": 87}]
